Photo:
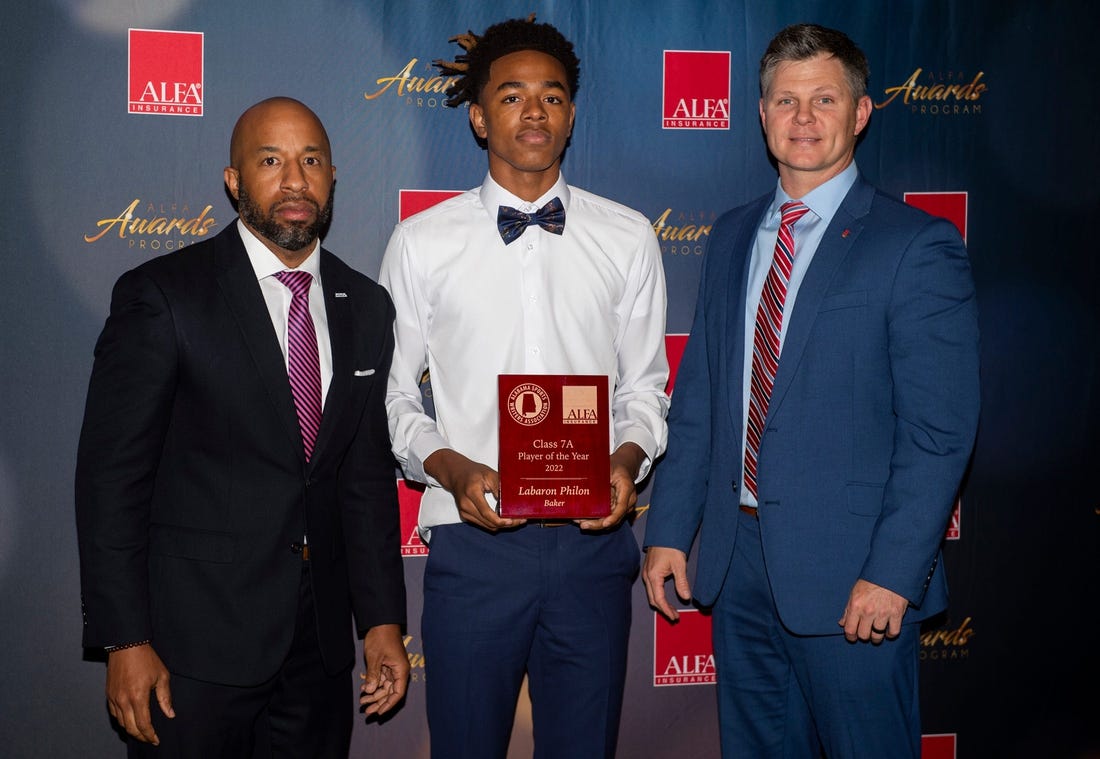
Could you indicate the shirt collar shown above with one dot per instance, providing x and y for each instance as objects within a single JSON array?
[
  {"x": 823, "y": 200},
  {"x": 267, "y": 264},
  {"x": 493, "y": 196}
]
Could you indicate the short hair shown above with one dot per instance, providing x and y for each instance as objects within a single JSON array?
[
  {"x": 497, "y": 41},
  {"x": 800, "y": 42}
]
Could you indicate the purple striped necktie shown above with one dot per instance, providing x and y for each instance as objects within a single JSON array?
[
  {"x": 765, "y": 341},
  {"x": 303, "y": 365}
]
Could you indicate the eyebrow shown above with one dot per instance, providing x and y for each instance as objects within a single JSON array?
[
  {"x": 816, "y": 92},
  {"x": 549, "y": 83}
]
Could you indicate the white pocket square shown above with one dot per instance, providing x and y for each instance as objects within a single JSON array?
[{"x": 364, "y": 372}]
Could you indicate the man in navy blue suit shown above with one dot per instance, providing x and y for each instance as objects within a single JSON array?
[{"x": 823, "y": 418}]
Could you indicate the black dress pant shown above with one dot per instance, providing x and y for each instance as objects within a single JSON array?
[{"x": 301, "y": 712}]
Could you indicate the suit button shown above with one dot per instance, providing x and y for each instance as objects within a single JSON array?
[{"x": 733, "y": 485}]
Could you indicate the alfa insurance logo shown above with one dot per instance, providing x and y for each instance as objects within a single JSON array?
[
  {"x": 683, "y": 653},
  {"x": 938, "y": 746},
  {"x": 408, "y": 498},
  {"x": 696, "y": 89},
  {"x": 411, "y": 202},
  {"x": 579, "y": 404},
  {"x": 952, "y": 206},
  {"x": 674, "y": 350},
  {"x": 954, "y": 526},
  {"x": 165, "y": 72}
]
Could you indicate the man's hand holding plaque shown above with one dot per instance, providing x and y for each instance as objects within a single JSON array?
[
  {"x": 469, "y": 483},
  {"x": 626, "y": 462}
]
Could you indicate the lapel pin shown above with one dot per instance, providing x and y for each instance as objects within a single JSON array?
[
  {"x": 845, "y": 233},
  {"x": 344, "y": 295}
]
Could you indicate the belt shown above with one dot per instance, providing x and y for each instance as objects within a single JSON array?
[{"x": 750, "y": 510}]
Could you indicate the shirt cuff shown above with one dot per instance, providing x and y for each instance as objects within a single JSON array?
[
  {"x": 648, "y": 445},
  {"x": 425, "y": 445},
  {"x": 123, "y": 646}
]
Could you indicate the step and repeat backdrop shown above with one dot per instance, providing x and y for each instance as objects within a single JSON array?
[{"x": 116, "y": 125}]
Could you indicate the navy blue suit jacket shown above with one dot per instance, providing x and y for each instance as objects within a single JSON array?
[
  {"x": 192, "y": 484},
  {"x": 870, "y": 425}
]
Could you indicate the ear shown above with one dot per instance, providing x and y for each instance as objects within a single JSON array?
[
  {"x": 477, "y": 120},
  {"x": 572, "y": 116},
  {"x": 763, "y": 115},
  {"x": 863, "y": 113},
  {"x": 233, "y": 180}
]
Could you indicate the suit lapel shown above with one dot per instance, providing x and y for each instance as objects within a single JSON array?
[
  {"x": 338, "y": 315},
  {"x": 834, "y": 247},
  {"x": 237, "y": 280}
]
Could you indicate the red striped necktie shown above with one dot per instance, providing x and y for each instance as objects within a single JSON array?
[
  {"x": 765, "y": 341},
  {"x": 303, "y": 365}
]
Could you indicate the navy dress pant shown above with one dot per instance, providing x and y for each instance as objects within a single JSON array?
[
  {"x": 795, "y": 696},
  {"x": 549, "y": 602}
]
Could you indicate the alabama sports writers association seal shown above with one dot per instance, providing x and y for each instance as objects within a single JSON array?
[{"x": 528, "y": 404}]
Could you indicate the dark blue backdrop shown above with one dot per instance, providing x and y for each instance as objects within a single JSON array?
[{"x": 1011, "y": 672}]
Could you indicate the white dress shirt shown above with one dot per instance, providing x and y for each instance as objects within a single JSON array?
[
  {"x": 469, "y": 308},
  {"x": 278, "y": 296}
]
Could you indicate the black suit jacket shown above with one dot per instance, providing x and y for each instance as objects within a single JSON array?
[{"x": 192, "y": 486}]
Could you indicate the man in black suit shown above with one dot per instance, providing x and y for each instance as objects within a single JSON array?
[{"x": 235, "y": 492}]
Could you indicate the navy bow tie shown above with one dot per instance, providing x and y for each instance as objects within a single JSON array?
[{"x": 511, "y": 222}]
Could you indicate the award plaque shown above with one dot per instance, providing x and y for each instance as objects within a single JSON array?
[{"x": 554, "y": 446}]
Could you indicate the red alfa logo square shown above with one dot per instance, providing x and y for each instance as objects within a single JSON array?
[
  {"x": 408, "y": 498},
  {"x": 166, "y": 74},
  {"x": 674, "y": 350},
  {"x": 683, "y": 653},
  {"x": 954, "y": 527},
  {"x": 939, "y": 746},
  {"x": 948, "y": 205},
  {"x": 696, "y": 89},
  {"x": 410, "y": 202}
]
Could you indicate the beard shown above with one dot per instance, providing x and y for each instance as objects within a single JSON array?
[{"x": 292, "y": 236}]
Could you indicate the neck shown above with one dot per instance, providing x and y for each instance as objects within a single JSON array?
[
  {"x": 798, "y": 184},
  {"x": 526, "y": 185}
]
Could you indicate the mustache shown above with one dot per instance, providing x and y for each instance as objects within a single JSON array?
[{"x": 296, "y": 199}]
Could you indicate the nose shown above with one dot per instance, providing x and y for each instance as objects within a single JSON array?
[
  {"x": 535, "y": 110},
  {"x": 294, "y": 177},
  {"x": 805, "y": 113}
]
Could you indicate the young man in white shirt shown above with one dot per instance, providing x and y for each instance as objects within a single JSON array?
[{"x": 580, "y": 292}]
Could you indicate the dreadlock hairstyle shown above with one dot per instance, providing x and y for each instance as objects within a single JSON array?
[
  {"x": 497, "y": 41},
  {"x": 799, "y": 42}
]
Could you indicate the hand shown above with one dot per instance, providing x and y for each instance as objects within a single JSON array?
[
  {"x": 131, "y": 674},
  {"x": 387, "y": 674},
  {"x": 873, "y": 613},
  {"x": 660, "y": 564},
  {"x": 626, "y": 461},
  {"x": 468, "y": 481}
]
